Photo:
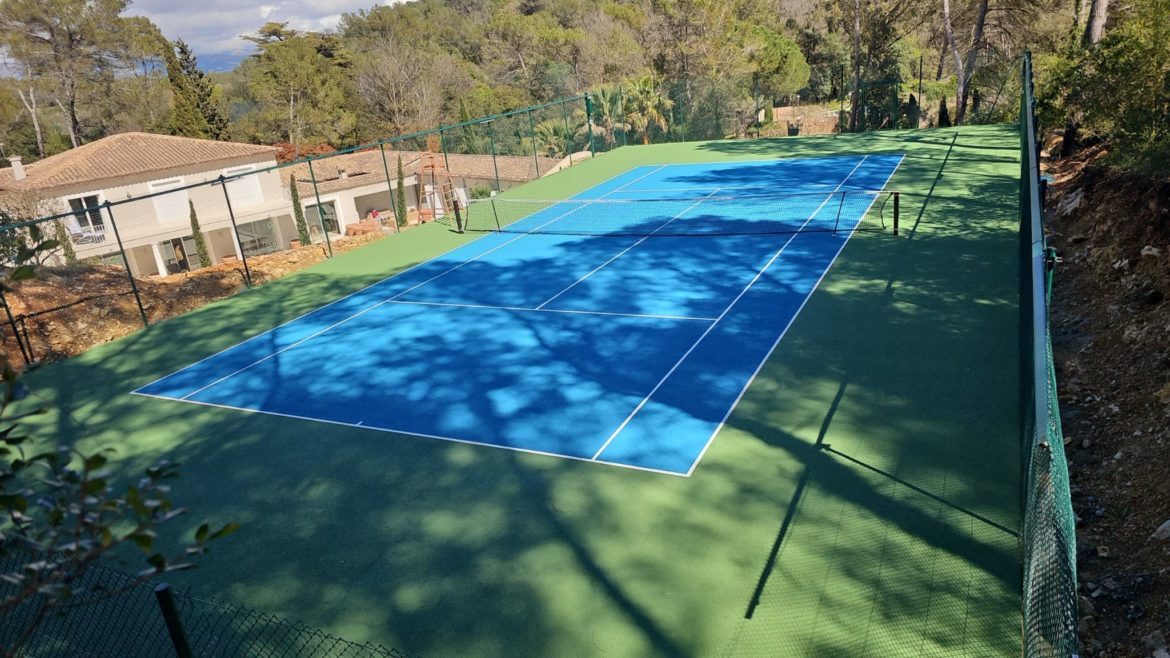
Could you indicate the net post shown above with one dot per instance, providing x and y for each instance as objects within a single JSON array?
[
  {"x": 840, "y": 205},
  {"x": 236, "y": 231},
  {"x": 496, "y": 215},
  {"x": 897, "y": 210},
  {"x": 126, "y": 262},
  {"x": 458, "y": 215}
]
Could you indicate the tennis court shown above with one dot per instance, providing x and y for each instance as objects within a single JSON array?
[
  {"x": 861, "y": 495},
  {"x": 620, "y": 328}
]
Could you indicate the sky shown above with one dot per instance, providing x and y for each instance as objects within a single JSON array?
[{"x": 213, "y": 27}]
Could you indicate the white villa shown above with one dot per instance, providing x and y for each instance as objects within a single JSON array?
[{"x": 156, "y": 231}]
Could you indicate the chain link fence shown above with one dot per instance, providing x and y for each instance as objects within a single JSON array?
[
  {"x": 1049, "y": 538},
  {"x": 137, "y": 249},
  {"x": 113, "y": 614}
]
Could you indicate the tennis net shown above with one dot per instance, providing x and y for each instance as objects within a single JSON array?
[{"x": 703, "y": 216}]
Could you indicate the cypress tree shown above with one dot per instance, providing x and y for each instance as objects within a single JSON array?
[
  {"x": 203, "y": 91},
  {"x": 196, "y": 112},
  {"x": 944, "y": 117},
  {"x": 400, "y": 208},
  {"x": 62, "y": 237},
  {"x": 197, "y": 235},
  {"x": 298, "y": 211}
]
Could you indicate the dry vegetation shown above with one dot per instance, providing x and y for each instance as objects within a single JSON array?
[
  {"x": 68, "y": 310},
  {"x": 1111, "y": 334}
]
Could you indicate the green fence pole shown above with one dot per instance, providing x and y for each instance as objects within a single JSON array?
[
  {"x": 589, "y": 124},
  {"x": 390, "y": 187},
  {"x": 320, "y": 210},
  {"x": 621, "y": 110},
  {"x": 568, "y": 133},
  {"x": 170, "y": 613},
  {"x": 532, "y": 136},
  {"x": 841, "y": 97},
  {"x": 918, "y": 118},
  {"x": 443, "y": 146},
  {"x": 236, "y": 231},
  {"x": 126, "y": 262},
  {"x": 495, "y": 165}
]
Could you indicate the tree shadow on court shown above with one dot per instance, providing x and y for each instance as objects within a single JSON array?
[{"x": 440, "y": 548}]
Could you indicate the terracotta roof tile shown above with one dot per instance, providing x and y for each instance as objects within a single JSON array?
[
  {"x": 365, "y": 168},
  {"x": 125, "y": 155}
]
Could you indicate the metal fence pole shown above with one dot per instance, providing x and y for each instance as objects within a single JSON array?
[
  {"x": 589, "y": 124},
  {"x": 918, "y": 119},
  {"x": 25, "y": 351},
  {"x": 126, "y": 262},
  {"x": 756, "y": 98},
  {"x": 621, "y": 110},
  {"x": 236, "y": 231},
  {"x": 320, "y": 210},
  {"x": 390, "y": 187},
  {"x": 568, "y": 133},
  {"x": 495, "y": 165},
  {"x": 170, "y": 613},
  {"x": 532, "y": 135},
  {"x": 443, "y": 146}
]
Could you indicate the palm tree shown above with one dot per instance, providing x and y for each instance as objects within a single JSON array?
[
  {"x": 646, "y": 106},
  {"x": 553, "y": 138},
  {"x": 607, "y": 115}
]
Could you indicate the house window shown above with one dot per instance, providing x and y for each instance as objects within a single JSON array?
[
  {"x": 258, "y": 237},
  {"x": 170, "y": 208},
  {"x": 244, "y": 191},
  {"x": 86, "y": 225},
  {"x": 180, "y": 255}
]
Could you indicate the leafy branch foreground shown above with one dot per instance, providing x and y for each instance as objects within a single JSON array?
[{"x": 64, "y": 512}]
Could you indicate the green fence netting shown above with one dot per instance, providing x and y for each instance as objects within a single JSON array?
[
  {"x": 115, "y": 615},
  {"x": 1049, "y": 539}
]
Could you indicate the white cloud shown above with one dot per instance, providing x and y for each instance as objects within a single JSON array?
[{"x": 213, "y": 27}]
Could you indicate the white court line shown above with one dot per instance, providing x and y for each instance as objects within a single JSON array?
[
  {"x": 361, "y": 290},
  {"x": 388, "y": 430},
  {"x": 396, "y": 296},
  {"x": 624, "y": 251},
  {"x": 722, "y": 315},
  {"x": 554, "y": 310},
  {"x": 791, "y": 320}
]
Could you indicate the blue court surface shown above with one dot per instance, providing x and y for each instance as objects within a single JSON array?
[{"x": 624, "y": 347}]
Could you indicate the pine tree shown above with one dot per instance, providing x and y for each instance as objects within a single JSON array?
[
  {"x": 400, "y": 208},
  {"x": 197, "y": 236},
  {"x": 195, "y": 113},
  {"x": 204, "y": 92},
  {"x": 298, "y": 211},
  {"x": 186, "y": 119}
]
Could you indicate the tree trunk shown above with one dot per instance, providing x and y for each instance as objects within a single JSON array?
[
  {"x": 960, "y": 67},
  {"x": 30, "y": 104},
  {"x": 855, "y": 96},
  {"x": 69, "y": 123},
  {"x": 972, "y": 58},
  {"x": 1095, "y": 27}
]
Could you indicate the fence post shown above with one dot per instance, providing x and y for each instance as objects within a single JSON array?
[
  {"x": 25, "y": 352},
  {"x": 621, "y": 111},
  {"x": 756, "y": 98},
  {"x": 589, "y": 124},
  {"x": 492, "y": 142},
  {"x": 443, "y": 146},
  {"x": 390, "y": 186},
  {"x": 918, "y": 118},
  {"x": 126, "y": 262},
  {"x": 897, "y": 211},
  {"x": 236, "y": 231},
  {"x": 568, "y": 133},
  {"x": 532, "y": 136},
  {"x": 320, "y": 210},
  {"x": 841, "y": 97},
  {"x": 170, "y": 613}
]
